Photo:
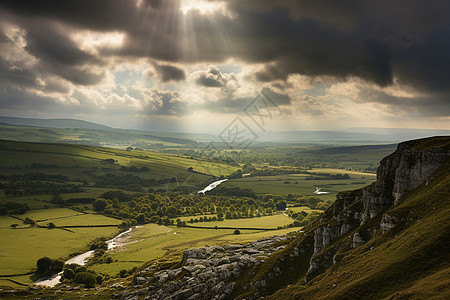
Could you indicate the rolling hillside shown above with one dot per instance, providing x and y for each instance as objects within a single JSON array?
[{"x": 91, "y": 165}]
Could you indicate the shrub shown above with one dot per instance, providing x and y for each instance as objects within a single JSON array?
[
  {"x": 69, "y": 274},
  {"x": 86, "y": 278},
  {"x": 99, "y": 279},
  {"x": 123, "y": 273},
  {"x": 48, "y": 266},
  {"x": 237, "y": 231},
  {"x": 80, "y": 269}
]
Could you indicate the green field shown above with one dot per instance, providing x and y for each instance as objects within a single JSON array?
[
  {"x": 21, "y": 248},
  {"x": 146, "y": 242},
  {"x": 267, "y": 222},
  {"x": 86, "y": 164},
  {"x": 305, "y": 209},
  {"x": 297, "y": 184},
  {"x": 152, "y": 241}
]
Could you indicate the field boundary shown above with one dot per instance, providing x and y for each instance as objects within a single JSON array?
[{"x": 226, "y": 227}]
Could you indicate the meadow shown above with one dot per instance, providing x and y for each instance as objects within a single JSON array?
[
  {"x": 152, "y": 241},
  {"x": 304, "y": 184},
  {"x": 22, "y": 247},
  {"x": 87, "y": 166}
]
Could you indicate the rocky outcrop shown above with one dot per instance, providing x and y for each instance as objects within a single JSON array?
[
  {"x": 407, "y": 168},
  {"x": 404, "y": 170},
  {"x": 205, "y": 273},
  {"x": 350, "y": 222}
]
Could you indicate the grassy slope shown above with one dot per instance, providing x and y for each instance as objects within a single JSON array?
[
  {"x": 151, "y": 241},
  {"x": 72, "y": 160},
  {"x": 56, "y": 243},
  {"x": 411, "y": 260}
]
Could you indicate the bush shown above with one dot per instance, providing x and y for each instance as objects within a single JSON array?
[
  {"x": 99, "y": 279},
  {"x": 237, "y": 231},
  {"x": 69, "y": 274},
  {"x": 48, "y": 266},
  {"x": 80, "y": 269},
  {"x": 123, "y": 273},
  {"x": 86, "y": 278},
  {"x": 100, "y": 204}
]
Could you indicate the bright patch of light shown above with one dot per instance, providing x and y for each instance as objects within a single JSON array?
[
  {"x": 204, "y": 7},
  {"x": 90, "y": 41}
]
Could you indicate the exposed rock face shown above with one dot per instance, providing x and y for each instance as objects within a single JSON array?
[
  {"x": 206, "y": 273},
  {"x": 404, "y": 170},
  {"x": 353, "y": 219}
]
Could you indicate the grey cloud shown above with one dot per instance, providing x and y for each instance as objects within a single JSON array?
[
  {"x": 167, "y": 103},
  {"x": 372, "y": 40},
  {"x": 276, "y": 98},
  {"x": 168, "y": 73},
  {"x": 213, "y": 77}
]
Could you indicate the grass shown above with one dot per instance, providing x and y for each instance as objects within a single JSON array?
[
  {"x": 21, "y": 248},
  {"x": 296, "y": 183},
  {"x": 305, "y": 209},
  {"x": 152, "y": 241},
  {"x": 73, "y": 160},
  {"x": 409, "y": 261},
  {"x": 263, "y": 222}
]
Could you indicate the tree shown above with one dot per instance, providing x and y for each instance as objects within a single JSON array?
[
  {"x": 140, "y": 218},
  {"x": 57, "y": 199},
  {"x": 51, "y": 225},
  {"x": 48, "y": 266},
  {"x": 237, "y": 231},
  {"x": 69, "y": 273},
  {"x": 190, "y": 169},
  {"x": 43, "y": 265},
  {"x": 86, "y": 278},
  {"x": 123, "y": 273},
  {"x": 100, "y": 204},
  {"x": 281, "y": 205},
  {"x": 14, "y": 225}
]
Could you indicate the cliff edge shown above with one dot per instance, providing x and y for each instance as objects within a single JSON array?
[{"x": 389, "y": 239}]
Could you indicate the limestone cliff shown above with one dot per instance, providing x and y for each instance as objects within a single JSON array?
[{"x": 356, "y": 216}]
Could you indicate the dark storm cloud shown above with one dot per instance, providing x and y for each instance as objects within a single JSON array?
[
  {"x": 372, "y": 40},
  {"x": 90, "y": 14},
  {"x": 169, "y": 73}
]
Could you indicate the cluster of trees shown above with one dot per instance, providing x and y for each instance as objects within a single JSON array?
[
  {"x": 13, "y": 208},
  {"x": 22, "y": 188},
  {"x": 161, "y": 207},
  {"x": 34, "y": 176},
  {"x": 134, "y": 169},
  {"x": 43, "y": 166},
  {"x": 47, "y": 266},
  {"x": 302, "y": 218},
  {"x": 129, "y": 182},
  {"x": 327, "y": 176},
  {"x": 77, "y": 274},
  {"x": 232, "y": 191}
]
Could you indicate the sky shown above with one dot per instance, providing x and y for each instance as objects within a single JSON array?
[{"x": 201, "y": 66}]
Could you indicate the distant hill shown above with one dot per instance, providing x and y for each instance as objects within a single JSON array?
[
  {"x": 53, "y": 123},
  {"x": 352, "y": 135}
]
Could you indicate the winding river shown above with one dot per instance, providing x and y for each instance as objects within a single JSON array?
[
  {"x": 115, "y": 242},
  {"x": 211, "y": 186},
  {"x": 83, "y": 258}
]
